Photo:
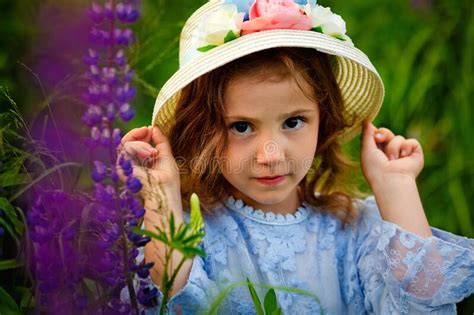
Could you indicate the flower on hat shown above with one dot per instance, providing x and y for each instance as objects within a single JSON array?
[
  {"x": 326, "y": 22},
  {"x": 270, "y": 14},
  {"x": 227, "y": 23},
  {"x": 222, "y": 26}
]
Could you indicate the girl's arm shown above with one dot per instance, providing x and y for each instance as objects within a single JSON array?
[
  {"x": 391, "y": 164},
  {"x": 158, "y": 172},
  {"x": 155, "y": 250}
]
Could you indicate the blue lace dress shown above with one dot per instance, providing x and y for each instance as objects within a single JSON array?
[{"x": 371, "y": 267}]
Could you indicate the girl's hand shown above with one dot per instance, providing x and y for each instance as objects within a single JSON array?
[
  {"x": 153, "y": 161},
  {"x": 385, "y": 156}
]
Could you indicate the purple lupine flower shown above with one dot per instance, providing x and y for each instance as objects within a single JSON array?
[
  {"x": 147, "y": 294},
  {"x": 96, "y": 13},
  {"x": 54, "y": 222},
  {"x": 126, "y": 112},
  {"x": 120, "y": 58},
  {"x": 109, "y": 94},
  {"x": 99, "y": 172},
  {"x": 92, "y": 58},
  {"x": 116, "y": 137},
  {"x": 134, "y": 185},
  {"x": 76, "y": 237},
  {"x": 127, "y": 13}
]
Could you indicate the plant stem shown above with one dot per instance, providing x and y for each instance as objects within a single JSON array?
[
  {"x": 175, "y": 272},
  {"x": 164, "y": 282},
  {"x": 131, "y": 289}
]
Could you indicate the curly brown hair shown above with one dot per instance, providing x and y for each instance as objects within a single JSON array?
[{"x": 198, "y": 136}]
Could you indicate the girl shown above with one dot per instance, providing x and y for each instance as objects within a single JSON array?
[{"x": 253, "y": 122}]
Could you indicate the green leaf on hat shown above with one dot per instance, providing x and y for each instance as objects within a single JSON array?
[
  {"x": 206, "y": 48},
  {"x": 230, "y": 36},
  {"x": 318, "y": 29},
  {"x": 341, "y": 37}
]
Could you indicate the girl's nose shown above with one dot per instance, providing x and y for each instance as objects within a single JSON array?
[{"x": 270, "y": 152}]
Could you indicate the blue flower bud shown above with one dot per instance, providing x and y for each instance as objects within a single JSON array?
[
  {"x": 143, "y": 273},
  {"x": 143, "y": 241},
  {"x": 120, "y": 58},
  {"x": 96, "y": 13},
  {"x": 134, "y": 185},
  {"x": 99, "y": 172},
  {"x": 126, "y": 112}
]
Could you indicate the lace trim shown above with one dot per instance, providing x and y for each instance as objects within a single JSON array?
[{"x": 267, "y": 217}]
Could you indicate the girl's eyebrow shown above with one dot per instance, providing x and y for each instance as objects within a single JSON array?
[{"x": 293, "y": 113}]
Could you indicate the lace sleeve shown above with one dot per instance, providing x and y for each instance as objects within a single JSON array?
[{"x": 401, "y": 272}]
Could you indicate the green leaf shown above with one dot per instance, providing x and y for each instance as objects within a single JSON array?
[
  {"x": 182, "y": 232},
  {"x": 270, "y": 302},
  {"x": 318, "y": 29},
  {"x": 12, "y": 175},
  {"x": 171, "y": 225},
  {"x": 27, "y": 299},
  {"x": 9, "y": 264},
  {"x": 12, "y": 178},
  {"x": 196, "y": 220},
  {"x": 8, "y": 227},
  {"x": 44, "y": 175},
  {"x": 277, "y": 311},
  {"x": 256, "y": 300},
  {"x": 195, "y": 238},
  {"x": 90, "y": 288},
  {"x": 192, "y": 252},
  {"x": 8, "y": 305},
  {"x": 206, "y": 48},
  {"x": 161, "y": 237},
  {"x": 12, "y": 215},
  {"x": 230, "y": 36}
]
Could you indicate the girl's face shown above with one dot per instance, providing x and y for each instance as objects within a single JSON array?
[{"x": 273, "y": 132}]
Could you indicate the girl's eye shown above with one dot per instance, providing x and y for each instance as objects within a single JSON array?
[
  {"x": 295, "y": 122},
  {"x": 241, "y": 127}
]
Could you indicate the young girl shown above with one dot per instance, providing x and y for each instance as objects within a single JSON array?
[{"x": 253, "y": 122}]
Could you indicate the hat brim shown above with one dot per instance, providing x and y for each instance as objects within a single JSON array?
[{"x": 361, "y": 86}]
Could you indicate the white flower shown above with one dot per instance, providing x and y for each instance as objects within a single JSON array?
[
  {"x": 330, "y": 23},
  {"x": 220, "y": 23}
]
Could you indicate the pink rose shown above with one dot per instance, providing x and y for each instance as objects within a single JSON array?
[{"x": 275, "y": 14}]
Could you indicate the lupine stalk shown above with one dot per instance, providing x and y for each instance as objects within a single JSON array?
[
  {"x": 78, "y": 238},
  {"x": 109, "y": 96}
]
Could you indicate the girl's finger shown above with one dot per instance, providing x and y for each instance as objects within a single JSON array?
[
  {"x": 161, "y": 142},
  {"x": 383, "y": 135},
  {"x": 367, "y": 137},
  {"x": 392, "y": 149},
  {"x": 137, "y": 134},
  {"x": 139, "y": 149},
  {"x": 408, "y": 147}
]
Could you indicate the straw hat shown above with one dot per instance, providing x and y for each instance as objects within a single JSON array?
[{"x": 361, "y": 86}]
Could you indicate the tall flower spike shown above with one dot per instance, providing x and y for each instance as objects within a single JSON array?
[{"x": 93, "y": 240}]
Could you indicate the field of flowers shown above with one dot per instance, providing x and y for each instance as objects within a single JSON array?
[{"x": 75, "y": 75}]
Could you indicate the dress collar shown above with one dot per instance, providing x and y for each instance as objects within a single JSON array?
[{"x": 268, "y": 217}]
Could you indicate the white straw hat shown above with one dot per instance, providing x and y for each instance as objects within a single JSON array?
[{"x": 361, "y": 86}]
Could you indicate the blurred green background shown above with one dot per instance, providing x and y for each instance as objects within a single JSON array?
[{"x": 423, "y": 50}]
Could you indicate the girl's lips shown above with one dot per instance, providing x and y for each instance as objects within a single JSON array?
[{"x": 271, "y": 180}]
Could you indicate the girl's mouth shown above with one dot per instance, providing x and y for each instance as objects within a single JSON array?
[{"x": 271, "y": 180}]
